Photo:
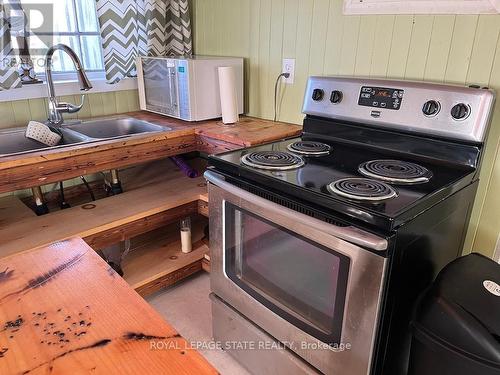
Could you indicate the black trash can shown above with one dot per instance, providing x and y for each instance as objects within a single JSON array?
[{"x": 456, "y": 329}]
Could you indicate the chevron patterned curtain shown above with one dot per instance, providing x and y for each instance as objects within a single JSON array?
[
  {"x": 142, "y": 27},
  {"x": 9, "y": 77}
]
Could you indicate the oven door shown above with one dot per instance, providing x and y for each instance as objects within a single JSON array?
[{"x": 307, "y": 283}]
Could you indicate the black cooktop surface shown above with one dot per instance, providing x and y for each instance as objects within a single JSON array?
[{"x": 331, "y": 180}]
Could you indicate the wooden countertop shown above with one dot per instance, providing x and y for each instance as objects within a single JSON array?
[
  {"x": 39, "y": 168},
  {"x": 64, "y": 311},
  {"x": 250, "y": 131}
]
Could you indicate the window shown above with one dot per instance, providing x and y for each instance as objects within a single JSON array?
[
  {"x": 421, "y": 6},
  {"x": 72, "y": 22}
]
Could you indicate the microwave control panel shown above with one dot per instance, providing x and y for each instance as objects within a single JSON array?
[
  {"x": 183, "y": 84},
  {"x": 380, "y": 97}
]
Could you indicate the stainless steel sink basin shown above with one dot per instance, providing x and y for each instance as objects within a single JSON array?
[
  {"x": 13, "y": 141},
  {"x": 115, "y": 128}
]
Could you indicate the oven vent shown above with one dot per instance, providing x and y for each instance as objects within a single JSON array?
[{"x": 292, "y": 205}]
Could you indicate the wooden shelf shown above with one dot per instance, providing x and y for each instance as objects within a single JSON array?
[
  {"x": 156, "y": 197},
  {"x": 13, "y": 210},
  {"x": 156, "y": 260},
  {"x": 155, "y": 194}
]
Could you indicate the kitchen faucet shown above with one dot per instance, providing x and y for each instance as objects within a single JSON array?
[{"x": 56, "y": 108}]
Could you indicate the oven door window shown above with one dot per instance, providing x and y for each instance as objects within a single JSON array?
[{"x": 298, "y": 279}]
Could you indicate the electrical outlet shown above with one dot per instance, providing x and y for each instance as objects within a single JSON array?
[{"x": 289, "y": 67}]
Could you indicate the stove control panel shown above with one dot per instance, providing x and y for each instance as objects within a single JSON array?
[
  {"x": 381, "y": 97},
  {"x": 430, "y": 109}
]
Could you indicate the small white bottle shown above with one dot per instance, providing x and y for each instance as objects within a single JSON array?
[{"x": 186, "y": 242}]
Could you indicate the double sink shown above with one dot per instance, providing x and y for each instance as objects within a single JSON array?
[{"x": 14, "y": 142}]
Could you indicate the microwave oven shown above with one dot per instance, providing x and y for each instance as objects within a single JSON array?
[{"x": 185, "y": 88}]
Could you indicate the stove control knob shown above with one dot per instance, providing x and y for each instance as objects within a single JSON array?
[
  {"x": 431, "y": 108},
  {"x": 318, "y": 95},
  {"x": 336, "y": 97},
  {"x": 460, "y": 112}
]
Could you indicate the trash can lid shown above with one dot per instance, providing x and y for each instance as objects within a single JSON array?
[
  {"x": 462, "y": 307},
  {"x": 473, "y": 282}
]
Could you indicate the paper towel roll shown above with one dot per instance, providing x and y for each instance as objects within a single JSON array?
[{"x": 228, "y": 95}]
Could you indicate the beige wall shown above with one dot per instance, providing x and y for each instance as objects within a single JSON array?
[
  {"x": 20, "y": 112},
  {"x": 458, "y": 49}
]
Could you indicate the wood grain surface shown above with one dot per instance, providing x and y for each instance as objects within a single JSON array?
[
  {"x": 63, "y": 311},
  {"x": 156, "y": 260},
  {"x": 13, "y": 210},
  {"x": 249, "y": 131},
  {"x": 40, "y": 168},
  {"x": 154, "y": 189}
]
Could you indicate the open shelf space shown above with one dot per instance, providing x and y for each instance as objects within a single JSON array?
[
  {"x": 156, "y": 260},
  {"x": 155, "y": 195}
]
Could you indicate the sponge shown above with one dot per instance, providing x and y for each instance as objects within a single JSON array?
[{"x": 43, "y": 133}]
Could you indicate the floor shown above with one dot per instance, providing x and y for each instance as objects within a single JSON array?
[{"x": 187, "y": 308}]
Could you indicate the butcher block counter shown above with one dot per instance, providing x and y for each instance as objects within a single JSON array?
[
  {"x": 39, "y": 168},
  {"x": 64, "y": 311}
]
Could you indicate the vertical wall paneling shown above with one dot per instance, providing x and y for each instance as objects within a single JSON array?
[
  {"x": 295, "y": 93},
  {"x": 264, "y": 47},
  {"x": 121, "y": 102},
  {"x": 85, "y": 111},
  {"x": 290, "y": 31},
  {"x": 275, "y": 51},
  {"x": 20, "y": 112},
  {"x": 485, "y": 225},
  {"x": 253, "y": 83},
  {"x": 96, "y": 105},
  {"x": 319, "y": 29},
  {"x": 349, "y": 49},
  {"x": 419, "y": 47},
  {"x": 38, "y": 110},
  {"x": 133, "y": 101},
  {"x": 382, "y": 37},
  {"x": 462, "y": 42},
  {"x": 334, "y": 38},
  {"x": 109, "y": 103},
  {"x": 6, "y": 114},
  {"x": 399, "y": 46},
  {"x": 365, "y": 42},
  {"x": 439, "y": 48},
  {"x": 483, "y": 50}
]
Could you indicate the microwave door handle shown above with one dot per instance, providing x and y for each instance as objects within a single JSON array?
[{"x": 350, "y": 234}]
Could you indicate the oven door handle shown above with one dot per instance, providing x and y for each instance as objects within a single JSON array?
[{"x": 350, "y": 234}]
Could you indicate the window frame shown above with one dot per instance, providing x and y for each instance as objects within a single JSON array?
[
  {"x": 93, "y": 74},
  {"x": 359, "y": 7}
]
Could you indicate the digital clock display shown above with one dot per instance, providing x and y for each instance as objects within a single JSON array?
[
  {"x": 380, "y": 97},
  {"x": 382, "y": 93}
]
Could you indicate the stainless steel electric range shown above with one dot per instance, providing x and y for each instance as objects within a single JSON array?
[{"x": 322, "y": 244}]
